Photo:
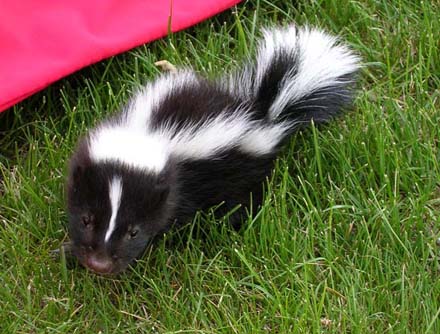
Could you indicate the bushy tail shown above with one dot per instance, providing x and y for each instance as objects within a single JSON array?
[{"x": 299, "y": 74}]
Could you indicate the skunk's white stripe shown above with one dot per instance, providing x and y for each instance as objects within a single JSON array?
[
  {"x": 150, "y": 97},
  {"x": 132, "y": 142},
  {"x": 115, "y": 192},
  {"x": 322, "y": 62},
  {"x": 264, "y": 139},
  {"x": 128, "y": 141},
  {"x": 211, "y": 137},
  {"x": 151, "y": 150},
  {"x": 128, "y": 146},
  {"x": 140, "y": 109}
]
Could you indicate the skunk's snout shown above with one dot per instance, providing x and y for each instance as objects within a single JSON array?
[{"x": 99, "y": 264}]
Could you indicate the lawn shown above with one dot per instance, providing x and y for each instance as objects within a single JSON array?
[{"x": 346, "y": 241}]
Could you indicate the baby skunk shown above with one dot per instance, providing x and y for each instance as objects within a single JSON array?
[{"x": 184, "y": 143}]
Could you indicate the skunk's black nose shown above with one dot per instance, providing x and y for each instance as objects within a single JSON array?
[{"x": 99, "y": 264}]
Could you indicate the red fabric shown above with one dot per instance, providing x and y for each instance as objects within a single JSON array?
[{"x": 42, "y": 41}]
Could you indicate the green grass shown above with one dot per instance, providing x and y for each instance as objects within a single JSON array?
[{"x": 345, "y": 241}]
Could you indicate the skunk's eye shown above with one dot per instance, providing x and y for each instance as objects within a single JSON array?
[
  {"x": 133, "y": 233},
  {"x": 87, "y": 220}
]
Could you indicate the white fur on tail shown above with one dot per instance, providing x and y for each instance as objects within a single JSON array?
[{"x": 321, "y": 62}]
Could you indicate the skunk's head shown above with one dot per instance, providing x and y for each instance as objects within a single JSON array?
[{"x": 114, "y": 210}]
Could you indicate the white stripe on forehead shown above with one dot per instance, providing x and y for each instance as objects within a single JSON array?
[{"x": 115, "y": 194}]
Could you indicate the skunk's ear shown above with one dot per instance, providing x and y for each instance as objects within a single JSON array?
[
  {"x": 80, "y": 161},
  {"x": 76, "y": 172},
  {"x": 164, "y": 181},
  {"x": 167, "y": 175},
  {"x": 162, "y": 191}
]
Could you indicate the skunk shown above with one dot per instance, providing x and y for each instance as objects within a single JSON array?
[{"x": 184, "y": 143}]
